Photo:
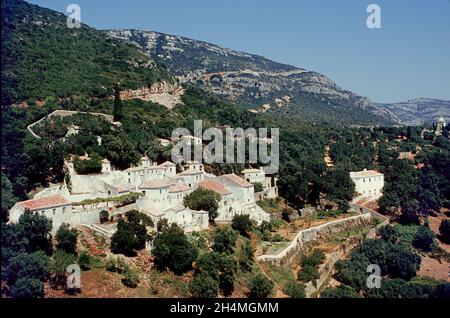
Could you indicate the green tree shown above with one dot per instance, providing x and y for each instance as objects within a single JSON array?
[
  {"x": 260, "y": 286},
  {"x": 60, "y": 261},
  {"x": 85, "y": 260},
  {"x": 203, "y": 286},
  {"x": 444, "y": 230},
  {"x": 162, "y": 225},
  {"x": 131, "y": 234},
  {"x": 88, "y": 166},
  {"x": 410, "y": 211},
  {"x": 125, "y": 240},
  {"x": 224, "y": 240},
  {"x": 424, "y": 238},
  {"x": 242, "y": 224},
  {"x": 352, "y": 272},
  {"x": 27, "y": 288},
  {"x": 343, "y": 291},
  {"x": 220, "y": 267},
  {"x": 66, "y": 239},
  {"x": 308, "y": 273},
  {"x": 103, "y": 216},
  {"x": 339, "y": 185},
  {"x": 203, "y": 199},
  {"x": 258, "y": 187},
  {"x": 245, "y": 255},
  {"x": 172, "y": 250},
  {"x": 33, "y": 230},
  {"x": 295, "y": 290},
  {"x": 31, "y": 266},
  {"x": 8, "y": 198},
  {"x": 388, "y": 233},
  {"x": 402, "y": 263}
]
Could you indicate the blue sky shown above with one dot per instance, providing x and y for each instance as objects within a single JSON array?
[{"x": 408, "y": 57}]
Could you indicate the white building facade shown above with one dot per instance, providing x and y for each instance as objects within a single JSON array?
[{"x": 368, "y": 184}]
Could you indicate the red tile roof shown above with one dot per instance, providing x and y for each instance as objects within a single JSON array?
[
  {"x": 178, "y": 188},
  {"x": 167, "y": 164},
  {"x": 367, "y": 173},
  {"x": 214, "y": 186},
  {"x": 190, "y": 171},
  {"x": 156, "y": 184},
  {"x": 238, "y": 180},
  {"x": 44, "y": 203}
]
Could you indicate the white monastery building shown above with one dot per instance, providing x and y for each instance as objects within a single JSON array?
[
  {"x": 368, "y": 184},
  {"x": 162, "y": 192}
]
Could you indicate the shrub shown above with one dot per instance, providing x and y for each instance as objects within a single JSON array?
[
  {"x": 224, "y": 240},
  {"x": 203, "y": 199},
  {"x": 93, "y": 165},
  {"x": 116, "y": 265},
  {"x": 308, "y": 273},
  {"x": 85, "y": 261},
  {"x": 260, "y": 286},
  {"x": 444, "y": 230},
  {"x": 172, "y": 250},
  {"x": 203, "y": 286},
  {"x": 442, "y": 291},
  {"x": 130, "y": 278},
  {"x": 295, "y": 290},
  {"x": 242, "y": 224},
  {"x": 162, "y": 224},
  {"x": 424, "y": 238},
  {"x": 343, "y": 291},
  {"x": 66, "y": 239},
  {"x": 403, "y": 263},
  {"x": 388, "y": 233},
  {"x": 34, "y": 265},
  {"x": 130, "y": 236},
  {"x": 104, "y": 216},
  {"x": 258, "y": 187},
  {"x": 315, "y": 259},
  {"x": 61, "y": 260},
  {"x": 27, "y": 288},
  {"x": 245, "y": 256}
]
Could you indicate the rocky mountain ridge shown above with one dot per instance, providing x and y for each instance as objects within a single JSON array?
[{"x": 257, "y": 83}]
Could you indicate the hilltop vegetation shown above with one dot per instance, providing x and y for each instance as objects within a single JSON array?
[{"x": 43, "y": 59}]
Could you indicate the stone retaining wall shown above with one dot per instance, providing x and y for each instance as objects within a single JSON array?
[{"x": 312, "y": 234}]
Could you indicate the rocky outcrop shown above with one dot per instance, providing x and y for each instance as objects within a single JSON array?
[
  {"x": 164, "y": 93},
  {"x": 254, "y": 82}
]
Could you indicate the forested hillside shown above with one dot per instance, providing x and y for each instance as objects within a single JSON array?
[{"x": 43, "y": 59}]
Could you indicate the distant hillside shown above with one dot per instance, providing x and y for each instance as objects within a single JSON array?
[
  {"x": 255, "y": 82},
  {"x": 42, "y": 57},
  {"x": 419, "y": 111}
]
